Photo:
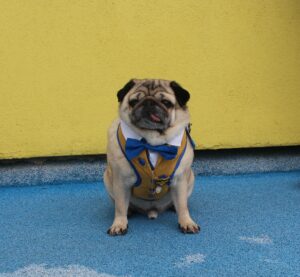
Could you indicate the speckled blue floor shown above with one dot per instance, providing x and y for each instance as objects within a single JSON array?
[{"x": 250, "y": 227}]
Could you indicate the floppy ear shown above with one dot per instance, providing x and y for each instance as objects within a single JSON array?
[
  {"x": 123, "y": 91},
  {"x": 182, "y": 95}
]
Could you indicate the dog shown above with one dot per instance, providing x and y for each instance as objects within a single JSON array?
[{"x": 150, "y": 153}]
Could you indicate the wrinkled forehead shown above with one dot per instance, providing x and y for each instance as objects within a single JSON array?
[{"x": 152, "y": 88}]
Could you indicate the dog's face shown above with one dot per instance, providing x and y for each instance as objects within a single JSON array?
[{"x": 152, "y": 104}]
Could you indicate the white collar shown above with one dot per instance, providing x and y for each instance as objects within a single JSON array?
[{"x": 129, "y": 133}]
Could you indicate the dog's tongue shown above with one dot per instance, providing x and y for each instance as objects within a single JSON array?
[{"x": 154, "y": 118}]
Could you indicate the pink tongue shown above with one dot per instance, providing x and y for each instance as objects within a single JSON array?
[{"x": 155, "y": 117}]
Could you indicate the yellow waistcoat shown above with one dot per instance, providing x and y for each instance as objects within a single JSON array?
[{"x": 153, "y": 183}]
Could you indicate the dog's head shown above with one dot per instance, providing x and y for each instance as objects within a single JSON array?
[{"x": 152, "y": 104}]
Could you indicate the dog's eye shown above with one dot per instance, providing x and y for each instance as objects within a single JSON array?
[
  {"x": 167, "y": 103},
  {"x": 133, "y": 102}
]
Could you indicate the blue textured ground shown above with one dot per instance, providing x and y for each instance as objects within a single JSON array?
[{"x": 250, "y": 227}]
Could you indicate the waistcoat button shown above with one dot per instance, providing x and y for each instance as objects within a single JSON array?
[{"x": 142, "y": 161}]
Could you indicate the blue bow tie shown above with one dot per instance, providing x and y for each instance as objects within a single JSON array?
[{"x": 134, "y": 147}]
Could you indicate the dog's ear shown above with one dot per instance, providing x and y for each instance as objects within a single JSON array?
[
  {"x": 123, "y": 91},
  {"x": 181, "y": 94}
]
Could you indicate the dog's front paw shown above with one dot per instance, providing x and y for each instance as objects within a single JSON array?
[
  {"x": 119, "y": 227},
  {"x": 188, "y": 226}
]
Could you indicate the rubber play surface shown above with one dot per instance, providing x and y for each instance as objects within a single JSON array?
[{"x": 250, "y": 226}]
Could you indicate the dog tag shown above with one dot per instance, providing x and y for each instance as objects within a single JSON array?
[{"x": 158, "y": 189}]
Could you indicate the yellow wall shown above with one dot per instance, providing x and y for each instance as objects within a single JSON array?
[{"x": 62, "y": 62}]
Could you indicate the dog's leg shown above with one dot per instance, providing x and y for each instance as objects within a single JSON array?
[
  {"x": 180, "y": 194},
  {"x": 121, "y": 196}
]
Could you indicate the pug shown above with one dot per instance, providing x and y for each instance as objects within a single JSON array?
[{"x": 150, "y": 153}]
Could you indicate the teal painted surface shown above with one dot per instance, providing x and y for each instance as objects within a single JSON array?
[{"x": 250, "y": 227}]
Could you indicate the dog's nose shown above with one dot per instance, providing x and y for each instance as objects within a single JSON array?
[{"x": 149, "y": 103}]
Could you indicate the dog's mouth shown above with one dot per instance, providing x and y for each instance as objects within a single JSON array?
[
  {"x": 155, "y": 118},
  {"x": 150, "y": 115}
]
